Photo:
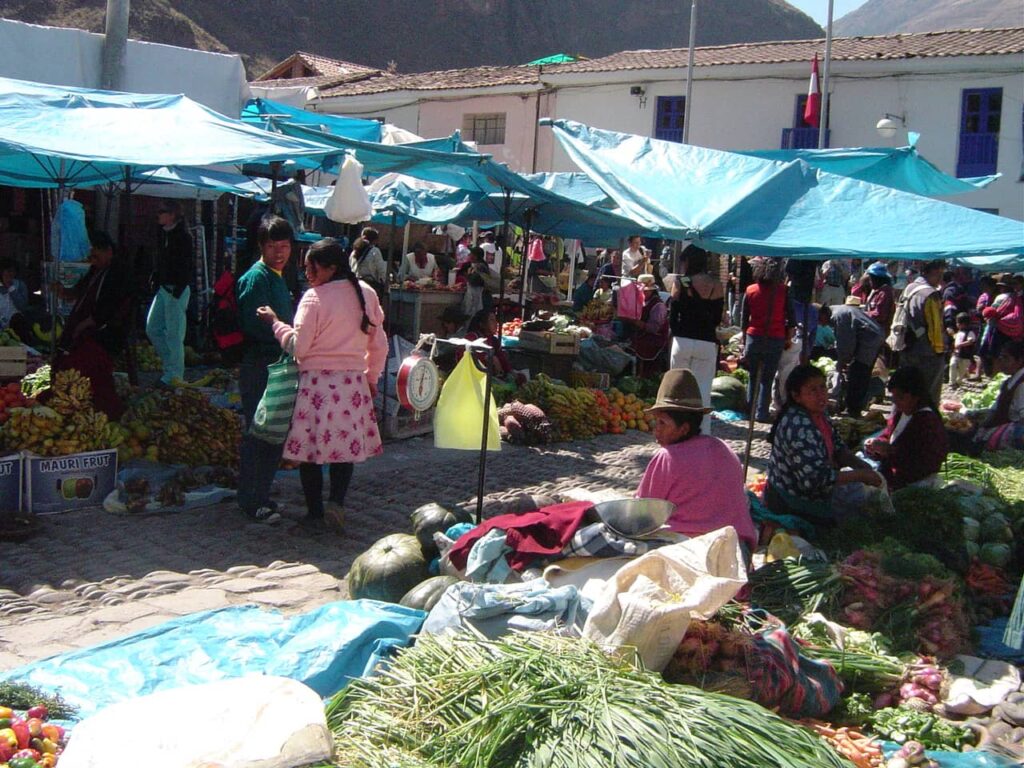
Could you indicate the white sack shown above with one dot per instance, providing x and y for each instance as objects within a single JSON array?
[{"x": 349, "y": 203}]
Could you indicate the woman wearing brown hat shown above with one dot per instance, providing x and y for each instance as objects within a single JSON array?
[{"x": 698, "y": 473}]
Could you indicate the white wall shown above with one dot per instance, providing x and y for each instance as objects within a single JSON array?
[{"x": 743, "y": 109}]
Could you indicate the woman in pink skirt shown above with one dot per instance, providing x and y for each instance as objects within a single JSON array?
[{"x": 339, "y": 343}]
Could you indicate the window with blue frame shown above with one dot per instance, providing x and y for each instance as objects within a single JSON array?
[
  {"x": 802, "y": 135},
  {"x": 668, "y": 118},
  {"x": 980, "y": 120}
]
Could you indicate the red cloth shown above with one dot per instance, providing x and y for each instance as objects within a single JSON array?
[
  {"x": 758, "y": 298},
  {"x": 90, "y": 359},
  {"x": 532, "y": 536}
]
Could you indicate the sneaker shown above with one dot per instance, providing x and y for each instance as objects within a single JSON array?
[{"x": 266, "y": 516}]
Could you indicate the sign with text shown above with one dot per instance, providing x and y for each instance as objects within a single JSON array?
[
  {"x": 63, "y": 483},
  {"x": 10, "y": 483}
]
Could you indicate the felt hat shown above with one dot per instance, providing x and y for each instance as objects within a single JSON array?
[
  {"x": 679, "y": 391},
  {"x": 852, "y": 301},
  {"x": 878, "y": 269}
]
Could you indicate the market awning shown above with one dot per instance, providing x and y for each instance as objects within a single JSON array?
[
  {"x": 263, "y": 112},
  {"x": 897, "y": 167},
  {"x": 732, "y": 203},
  {"x": 54, "y": 136}
]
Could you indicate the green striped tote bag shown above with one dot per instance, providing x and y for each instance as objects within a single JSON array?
[{"x": 273, "y": 415}]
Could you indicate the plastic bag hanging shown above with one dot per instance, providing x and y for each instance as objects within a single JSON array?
[
  {"x": 349, "y": 203},
  {"x": 458, "y": 420}
]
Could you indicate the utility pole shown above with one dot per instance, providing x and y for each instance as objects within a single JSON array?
[
  {"x": 115, "y": 44},
  {"x": 689, "y": 73},
  {"x": 826, "y": 85}
]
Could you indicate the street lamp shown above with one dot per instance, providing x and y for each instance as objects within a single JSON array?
[{"x": 888, "y": 126}]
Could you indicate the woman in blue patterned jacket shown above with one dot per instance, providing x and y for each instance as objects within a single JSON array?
[{"x": 811, "y": 473}]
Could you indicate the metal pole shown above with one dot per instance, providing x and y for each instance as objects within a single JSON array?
[
  {"x": 689, "y": 73},
  {"x": 524, "y": 267},
  {"x": 750, "y": 425},
  {"x": 501, "y": 272},
  {"x": 391, "y": 244},
  {"x": 115, "y": 43},
  {"x": 823, "y": 119},
  {"x": 483, "y": 439}
]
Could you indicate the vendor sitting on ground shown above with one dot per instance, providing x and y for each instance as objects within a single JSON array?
[
  {"x": 1002, "y": 426},
  {"x": 698, "y": 473},
  {"x": 806, "y": 475},
  {"x": 914, "y": 445}
]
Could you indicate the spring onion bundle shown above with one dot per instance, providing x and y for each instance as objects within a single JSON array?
[
  {"x": 790, "y": 588},
  {"x": 542, "y": 700}
]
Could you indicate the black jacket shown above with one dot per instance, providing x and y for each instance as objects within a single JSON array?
[{"x": 174, "y": 263}]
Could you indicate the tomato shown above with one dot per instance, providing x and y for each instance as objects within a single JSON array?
[{"x": 38, "y": 711}]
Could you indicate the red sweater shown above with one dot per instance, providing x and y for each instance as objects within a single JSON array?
[
  {"x": 757, "y": 300},
  {"x": 918, "y": 452}
]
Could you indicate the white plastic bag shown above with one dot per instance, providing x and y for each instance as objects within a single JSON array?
[
  {"x": 649, "y": 602},
  {"x": 349, "y": 203}
]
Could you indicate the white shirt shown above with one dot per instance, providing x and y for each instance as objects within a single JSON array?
[
  {"x": 630, "y": 260},
  {"x": 410, "y": 270},
  {"x": 461, "y": 254},
  {"x": 492, "y": 255}
]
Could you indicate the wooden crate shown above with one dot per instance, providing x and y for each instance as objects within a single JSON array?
[
  {"x": 13, "y": 362},
  {"x": 551, "y": 343},
  {"x": 404, "y": 424}
]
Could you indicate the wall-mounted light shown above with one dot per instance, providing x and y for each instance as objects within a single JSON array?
[
  {"x": 888, "y": 125},
  {"x": 641, "y": 94}
]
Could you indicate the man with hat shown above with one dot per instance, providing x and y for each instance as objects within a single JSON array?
[
  {"x": 858, "y": 341},
  {"x": 698, "y": 473}
]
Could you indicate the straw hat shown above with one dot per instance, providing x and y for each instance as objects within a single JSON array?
[
  {"x": 679, "y": 391},
  {"x": 852, "y": 301},
  {"x": 646, "y": 281}
]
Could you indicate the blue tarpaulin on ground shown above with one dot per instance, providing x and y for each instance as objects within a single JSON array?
[
  {"x": 731, "y": 203},
  {"x": 264, "y": 112},
  {"x": 324, "y": 648},
  {"x": 54, "y": 136}
]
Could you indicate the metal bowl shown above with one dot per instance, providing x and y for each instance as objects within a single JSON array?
[{"x": 634, "y": 517}]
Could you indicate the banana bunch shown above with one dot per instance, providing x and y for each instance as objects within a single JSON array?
[
  {"x": 573, "y": 412},
  {"x": 72, "y": 392},
  {"x": 33, "y": 429},
  {"x": 9, "y": 338}
]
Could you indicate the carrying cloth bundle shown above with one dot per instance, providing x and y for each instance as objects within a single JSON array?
[{"x": 273, "y": 416}]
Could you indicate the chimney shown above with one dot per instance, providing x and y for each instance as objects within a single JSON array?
[{"x": 115, "y": 44}]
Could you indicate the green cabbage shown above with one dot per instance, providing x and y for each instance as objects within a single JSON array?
[
  {"x": 973, "y": 550},
  {"x": 995, "y": 554},
  {"x": 972, "y": 529},
  {"x": 996, "y": 528}
]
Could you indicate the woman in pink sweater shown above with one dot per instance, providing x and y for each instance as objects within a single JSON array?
[
  {"x": 698, "y": 473},
  {"x": 339, "y": 343}
]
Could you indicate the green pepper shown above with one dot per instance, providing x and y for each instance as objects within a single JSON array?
[
  {"x": 23, "y": 762},
  {"x": 5, "y": 722}
]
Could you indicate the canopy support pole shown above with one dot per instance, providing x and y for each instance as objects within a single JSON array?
[
  {"x": 750, "y": 424},
  {"x": 501, "y": 270},
  {"x": 524, "y": 267},
  {"x": 55, "y": 255},
  {"x": 689, "y": 73},
  {"x": 826, "y": 84},
  {"x": 483, "y": 437},
  {"x": 124, "y": 239}
]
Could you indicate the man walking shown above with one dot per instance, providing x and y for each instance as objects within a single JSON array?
[
  {"x": 165, "y": 323},
  {"x": 262, "y": 285}
]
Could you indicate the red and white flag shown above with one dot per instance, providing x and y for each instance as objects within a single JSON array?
[{"x": 812, "y": 110}]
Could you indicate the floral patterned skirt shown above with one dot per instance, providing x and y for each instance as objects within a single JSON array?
[{"x": 334, "y": 420}]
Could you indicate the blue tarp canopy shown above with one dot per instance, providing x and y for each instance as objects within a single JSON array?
[
  {"x": 732, "y": 203},
  {"x": 897, "y": 167},
  {"x": 54, "y": 136},
  {"x": 265, "y": 113}
]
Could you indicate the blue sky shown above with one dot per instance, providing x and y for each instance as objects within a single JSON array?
[{"x": 818, "y": 9}]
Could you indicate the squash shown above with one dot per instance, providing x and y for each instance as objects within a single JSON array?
[
  {"x": 388, "y": 569},
  {"x": 728, "y": 394},
  {"x": 425, "y": 595},
  {"x": 433, "y": 518}
]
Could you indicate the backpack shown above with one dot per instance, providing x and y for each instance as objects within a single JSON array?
[
  {"x": 901, "y": 323},
  {"x": 225, "y": 325}
]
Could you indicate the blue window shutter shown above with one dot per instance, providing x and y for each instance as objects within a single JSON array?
[
  {"x": 802, "y": 135},
  {"x": 668, "y": 118},
  {"x": 980, "y": 122}
]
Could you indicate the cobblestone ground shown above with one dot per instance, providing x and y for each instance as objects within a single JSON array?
[{"x": 91, "y": 576}]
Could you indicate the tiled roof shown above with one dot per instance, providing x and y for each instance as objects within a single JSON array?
[
  {"x": 973, "y": 42},
  {"x": 322, "y": 66},
  {"x": 474, "y": 77}
]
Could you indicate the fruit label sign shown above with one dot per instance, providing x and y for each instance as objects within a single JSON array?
[
  {"x": 10, "y": 483},
  {"x": 63, "y": 483}
]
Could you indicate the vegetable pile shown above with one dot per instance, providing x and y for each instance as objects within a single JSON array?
[
  {"x": 987, "y": 397},
  {"x": 27, "y": 739},
  {"x": 541, "y": 700}
]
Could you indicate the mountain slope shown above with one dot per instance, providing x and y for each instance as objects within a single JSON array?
[
  {"x": 884, "y": 17},
  {"x": 421, "y": 36}
]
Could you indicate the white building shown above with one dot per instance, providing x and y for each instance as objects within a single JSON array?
[{"x": 961, "y": 90}]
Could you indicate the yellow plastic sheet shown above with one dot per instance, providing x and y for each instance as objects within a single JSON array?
[{"x": 458, "y": 420}]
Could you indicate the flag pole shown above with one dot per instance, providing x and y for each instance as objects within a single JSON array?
[
  {"x": 823, "y": 120},
  {"x": 689, "y": 73}
]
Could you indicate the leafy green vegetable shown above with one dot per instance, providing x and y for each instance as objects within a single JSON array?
[
  {"x": 34, "y": 383},
  {"x": 900, "y": 561},
  {"x": 855, "y": 709},
  {"x": 987, "y": 397},
  {"x": 22, "y": 696},
  {"x": 790, "y": 588},
  {"x": 901, "y": 724}
]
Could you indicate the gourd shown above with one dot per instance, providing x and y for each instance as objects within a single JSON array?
[
  {"x": 433, "y": 518},
  {"x": 425, "y": 595},
  {"x": 728, "y": 394},
  {"x": 388, "y": 569}
]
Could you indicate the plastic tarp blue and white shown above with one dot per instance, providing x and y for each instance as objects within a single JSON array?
[
  {"x": 324, "y": 648},
  {"x": 265, "y": 113},
  {"x": 54, "y": 136},
  {"x": 731, "y": 203}
]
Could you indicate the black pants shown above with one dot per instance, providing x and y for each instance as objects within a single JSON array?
[
  {"x": 858, "y": 377},
  {"x": 312, "y": 478}
]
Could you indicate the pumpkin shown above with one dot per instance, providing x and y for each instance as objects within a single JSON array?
[
  {"x": 388, "y": 569},
  {"x": 433, "y": 518},
  {"x": 728, "y": 394},
  {"x": 425, "y": 595}
]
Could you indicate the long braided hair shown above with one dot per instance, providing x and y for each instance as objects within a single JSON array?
[{"x": 329, "y": 253}]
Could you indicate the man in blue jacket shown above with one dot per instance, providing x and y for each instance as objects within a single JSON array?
[{"x": 262, "y": 285}]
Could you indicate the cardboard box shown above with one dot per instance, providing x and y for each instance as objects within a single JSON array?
[
  {"x": 13, "y": 362},
  {"x": 62, "y": 483},
  {"x": 551, "y": 343},
  {"x": 10, "y": 483}
]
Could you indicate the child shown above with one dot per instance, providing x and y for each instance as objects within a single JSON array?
[
  {"x": 824, "y": 336},
  {"x": 964, "y": 343}
]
